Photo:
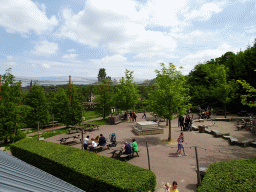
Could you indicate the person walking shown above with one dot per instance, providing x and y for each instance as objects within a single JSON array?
[
  {"x": 85, "y": 142},
  {"x": 144, "y": 115},
  {"x": 134, "y": 148},
  {"x": 180, "y": 141}
]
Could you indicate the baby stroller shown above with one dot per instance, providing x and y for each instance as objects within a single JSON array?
[{"x": 112, "y": 138}]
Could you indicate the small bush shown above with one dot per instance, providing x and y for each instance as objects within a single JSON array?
[{"x": 18, "y": 136}]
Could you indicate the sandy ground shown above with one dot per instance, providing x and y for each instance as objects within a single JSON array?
[{"x": 163, "y": 158}]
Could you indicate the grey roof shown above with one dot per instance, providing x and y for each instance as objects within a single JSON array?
[{"x": 17, "y": 175}]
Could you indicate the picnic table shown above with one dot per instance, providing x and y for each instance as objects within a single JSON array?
[
  {"x": 242, "y": 113},
  {"x": 91, "y": 126},
  {"x": 118, "y": 150},
  {"x": 75, "y": 129},
  {"x": 26, "y": 129},
  {"x": 64, "y": 139}
]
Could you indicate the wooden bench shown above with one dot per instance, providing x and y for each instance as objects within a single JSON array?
[
  {"x": 253, "y": 144},
  {"x": 70, "y": 131},
  {"x": 63, "y": 140},
  {"x": 194, "y": 128},
  {"x": 207, "y": 130},
  {"x": 124, "y": 156}
]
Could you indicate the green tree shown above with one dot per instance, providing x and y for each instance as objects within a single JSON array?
[
  {"x": 12, "y": 114},
  {"x": 74, "y": 108},
  {"x": 104, "y": 98},
  {"x": 169, "y": 95},
  {"x": 61, "y": 106},
  {"x": 102, "y": 74},
  {"x": 38, "y": 101},
  {"x": 248, "y": 99},
  {"x": 126, "y": 92}
]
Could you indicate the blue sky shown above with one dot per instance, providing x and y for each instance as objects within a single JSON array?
[{"x": 77, "y": 37}]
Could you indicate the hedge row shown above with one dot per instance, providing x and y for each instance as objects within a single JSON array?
[
  {"x": 230, "y": 176},
  {"x": 84, "y": 169}
]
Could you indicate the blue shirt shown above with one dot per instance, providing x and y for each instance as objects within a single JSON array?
[{"x": 128, "y": 149}]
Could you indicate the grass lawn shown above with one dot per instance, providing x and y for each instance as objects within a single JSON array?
[
  {"x": 51, "y": 134},
  {"x": 90, "y": 115}
]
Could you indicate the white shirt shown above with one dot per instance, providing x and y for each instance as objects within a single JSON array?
[
  {"x": 85, "y": 140},
  {"x": 94, "y": 144}
]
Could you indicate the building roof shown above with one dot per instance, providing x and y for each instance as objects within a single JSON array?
[{"x": 17, "y": 175}]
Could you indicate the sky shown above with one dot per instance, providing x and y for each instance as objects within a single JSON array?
[{"x": 78, "y": 37}]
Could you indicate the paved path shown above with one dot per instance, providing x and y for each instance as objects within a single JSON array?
[{"x": 163, "y": 159}]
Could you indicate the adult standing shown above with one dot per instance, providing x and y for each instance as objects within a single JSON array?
[
  {"x": 198, "y": 110},
  {"x": 134, "y": 116},
  {"x": 131, "y": 116},
  {"x": 181, "y": 120},
  {"x": 86, "y": 142}
]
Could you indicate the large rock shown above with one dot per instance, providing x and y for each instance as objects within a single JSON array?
[
  {"x": 247, "y": 142},
  {"x": 233, "y": 141}
]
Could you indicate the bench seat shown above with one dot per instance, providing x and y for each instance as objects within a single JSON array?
[{"x": 247, "y": 142}]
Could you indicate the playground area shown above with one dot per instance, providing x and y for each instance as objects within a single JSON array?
[{"x": 164, "y": 161}]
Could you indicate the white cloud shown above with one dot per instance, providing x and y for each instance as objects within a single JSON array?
[
  {"x": 45, "y": 65},
  {"x": 10, "y": 61},
  {"x": 69, "y": 56},
  {"x": 9, "y": 58},
  {"x": 120, "y": 28},
  {"x": 45, "y": 48},
  {"x": 71, "y": 50},
  {"x": 24, "y": 15},
  {"x": 189, "y": 61},
  {"x": 206, "y": 11}
]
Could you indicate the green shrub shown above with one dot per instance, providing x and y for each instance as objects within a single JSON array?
[
  {"x": 229, "y": 176},
  {"x": 18, "y": 136},
  {"x": 84, "y": 169}
]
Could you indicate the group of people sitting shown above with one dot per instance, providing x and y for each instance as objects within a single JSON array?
[
  {"x": 101, "y": 142},
  {"x": 187, "y": 125}
]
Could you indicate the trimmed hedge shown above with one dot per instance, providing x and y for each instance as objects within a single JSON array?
[
  {"x": 230, "y": 176},
  {"x": 84, "y": 169}
]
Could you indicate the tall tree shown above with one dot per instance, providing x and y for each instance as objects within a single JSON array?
[
  {"x": 104, "y": 98},
  {"x": 169, "y": 95},
  {"x": 61, "y": 106},
  {"x": 74, "y": 108},
  {"x": 102, "y": 74},
  {"x": 38, "y": 101},
  {"x": 12, "y": 114},
  {"x": 126, "y": 95}
]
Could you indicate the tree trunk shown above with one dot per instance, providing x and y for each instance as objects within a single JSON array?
[
  {"x": 170, "y": 131},
  {"x": 167, "y": 122}
]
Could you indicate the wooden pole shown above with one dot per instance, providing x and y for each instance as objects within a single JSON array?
[
  {"x": 197, "y": 165},
  {"x": 38, "y": 130},
  {"x": 52, "y": 121},
  {"x": 148, "y": 155},
  {"x": 82, "y": 141},
  {"x": 69, "y": 88},
  {"x": 0, "y": 84}
]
